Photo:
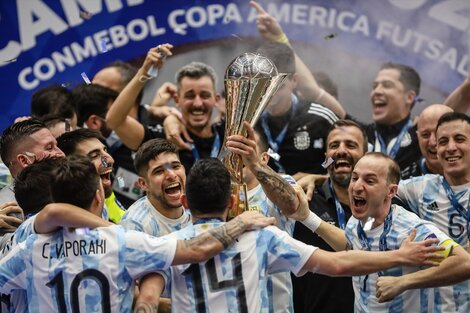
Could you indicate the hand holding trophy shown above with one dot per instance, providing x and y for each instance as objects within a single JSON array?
[{"x": 250, "y": 82}]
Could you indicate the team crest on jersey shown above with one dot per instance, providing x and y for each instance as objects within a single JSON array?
[
  {"x": 406, "y": 141},
  {"x": 255, "y": 207},
  {"x": 302, "y": 140}
]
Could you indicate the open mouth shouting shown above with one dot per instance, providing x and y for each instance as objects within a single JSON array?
[{"x": 173, "y": 191}]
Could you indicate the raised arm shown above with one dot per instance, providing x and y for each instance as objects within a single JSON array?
[
  {"x": 335, "y": 237},
  {"x": 129, "y": 130},
  {"x": 271, "y": 30},
  {"x": 459, "y": 99},
  {"x": 277, "y": 189},
  {"x": 212, "y": 242},
  {"x": 353, "y": 263},
  {"x": 452, "y": 270},
  {"x": 56, "y": 215}
]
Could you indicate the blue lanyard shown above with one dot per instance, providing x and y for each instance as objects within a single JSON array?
[
  {"x": 382, "y": 241},
  {"x": 393, "y": 152},
  {"x": 383, "y": 237},
  {"x": 422, "y": 164},
  {"x": 275, "y": 144},
  {"x": 339, "y": 209},
  {"x": 455, "y": 203},
  {"x": 206, "y": 220},
  {"x": 214, "y": 151}
]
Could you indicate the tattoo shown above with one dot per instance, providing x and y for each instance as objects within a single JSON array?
[
  {"x": 146, "y": 308},
  {"x": 224, "y": 235},
  {"x": 277, "y": 188}
]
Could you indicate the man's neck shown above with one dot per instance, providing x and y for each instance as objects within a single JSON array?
[
  {"x": 172, "y": 213},
  {"x": 202, "y": 132},
  {"x": 457, "y": 180},
  {"x": 341, "y": 193},
  {"x": 382, "y": 215},
  {"x": 198, "y": 217}
]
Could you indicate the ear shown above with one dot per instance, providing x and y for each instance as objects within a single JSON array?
[
  {"x": 184, "y": 201},
  {"x": 94, "y": 122},
  {"x": 392, "y": 190},
  {"x": 410, "y": 98},
  {"x": 293, "y": 80},
  {"x": 142, "y": 183},
  {"x": 264, "y": 158},
  {"x": 176, "y": 98},
  {"x": 22, "y": 160},
  {"x": 217, "y": 97}
]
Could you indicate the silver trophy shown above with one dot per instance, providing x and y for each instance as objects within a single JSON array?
[{"x": 250, "y": 82}]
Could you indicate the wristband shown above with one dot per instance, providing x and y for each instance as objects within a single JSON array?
[
  {"x": 282, "y": 38},
  {"x": 312, "y": 221}
]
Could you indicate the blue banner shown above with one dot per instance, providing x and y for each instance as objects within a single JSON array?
[{"x": 55, "y": 41}]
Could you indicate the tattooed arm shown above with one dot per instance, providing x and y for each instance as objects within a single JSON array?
[
  {"x": 277, "y": 189},
  {"x": 212, "y": 242}
]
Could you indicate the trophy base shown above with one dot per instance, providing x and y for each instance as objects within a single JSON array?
[{"x": 240, "y": 204}]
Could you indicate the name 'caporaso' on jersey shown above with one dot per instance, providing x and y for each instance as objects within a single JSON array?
[
  {"x": 234, "y": 280},
  {"x": 68, "y": 271},
  {"x": 402, "y": 223}
]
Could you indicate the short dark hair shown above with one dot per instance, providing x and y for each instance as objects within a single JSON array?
[
  {"x": 14, "y": 134},
  {"x": 92, "y": 99},
  {"x": 262, "y": 143},
  {"x": 408, "y": 76},
  {"x": 393, "y": 170},
  {"x": 350, "y": 123},
  {"x": 149, "y": 150},
  {"x": 67, "y": 142},
  {"x": 32, "y": 186},
  {"x": 53, "y": 99},
  {"x": 208, "y": 187},
  {"x": 452, "y": 116},
  {"x": 75, "y": 181},
  {"x": 196, "y": 70},
  {"x": 127, "y": 72},
  {"x": 280, "y": 54}
]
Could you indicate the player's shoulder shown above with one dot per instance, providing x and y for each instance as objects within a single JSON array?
[{"x": 322, "y": 112}]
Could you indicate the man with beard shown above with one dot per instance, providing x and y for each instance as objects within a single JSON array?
[
  {"x": 160, "y": 212},
  {"x": 346, "y": 143},
  {"x": 93, "y": 102},
  {"x": 195, "y": 97},
  {"x": 378, "y": 225},
  {"x": 90, "y": 143}
]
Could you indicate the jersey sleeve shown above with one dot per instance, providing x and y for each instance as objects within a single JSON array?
[
  {"x": 13, "y": 268},
  {"x": 284, "y": 252},
  {"x": 409, "y": 193},
  {"x": 130, "y": 224},
  {"x": 145, "y": 253}
]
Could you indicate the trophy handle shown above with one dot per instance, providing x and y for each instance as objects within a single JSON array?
[{"x": 240, "y": 204}]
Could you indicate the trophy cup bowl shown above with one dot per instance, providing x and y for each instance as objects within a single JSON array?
[{"x": 250, "y": 82}]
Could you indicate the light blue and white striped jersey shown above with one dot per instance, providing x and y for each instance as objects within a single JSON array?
[
  {"x": 143, "y": 216},
  {"x": 70, "y": 271},
  {"x": 235, "y": 280},
  {"x": 279, "y": 284},
  {"x": 403, "y": 222},
  {"x": 426, "y": 196}
]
